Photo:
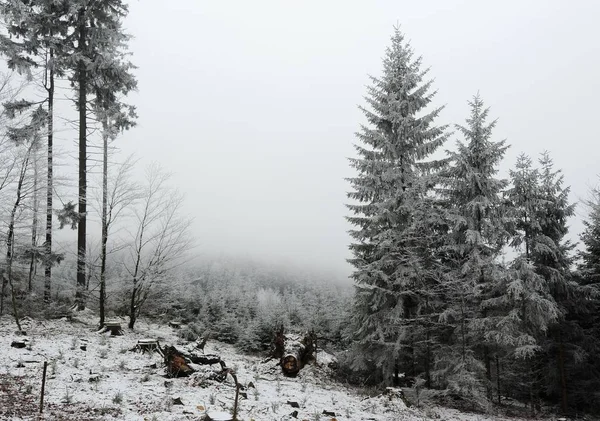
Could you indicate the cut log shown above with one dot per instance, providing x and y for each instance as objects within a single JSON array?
[
  {"x": 298, "y": 351},
  {"x": 114, "y": 329},
  {"x": 176, "y": 363}
]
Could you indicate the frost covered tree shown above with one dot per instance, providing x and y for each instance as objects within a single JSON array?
[
  {"x": 160, "y": 238},
  {"x": 552, "y": 258},
  {"x": 589, "y": 266},
  {"x": 37, "y": 32},
  {"x": 96, "y": 58},
  {"x": 477, "y": 235},
  {"x": 393, "y": 177},
  {"x": 521, "y": 306}
]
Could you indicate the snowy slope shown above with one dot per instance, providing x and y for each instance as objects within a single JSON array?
[{"x": 107, "y": 381}]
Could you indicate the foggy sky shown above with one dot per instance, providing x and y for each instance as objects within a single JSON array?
[{"x": 253, "y": 104}]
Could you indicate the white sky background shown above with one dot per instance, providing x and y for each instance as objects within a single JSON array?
[{"x": 253, "y": 104}]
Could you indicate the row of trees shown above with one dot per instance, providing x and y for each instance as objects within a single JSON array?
[
  {"x": 79, "y": 46},
  {"x": 434, "y": 287}
]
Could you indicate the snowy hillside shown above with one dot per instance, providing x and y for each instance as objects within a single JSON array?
[{"x": 108, "y": 381}]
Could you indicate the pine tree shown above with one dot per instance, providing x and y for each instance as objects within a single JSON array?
[
  {"x": 477, "y": 235},
  {"x": 391, "y": 166}
]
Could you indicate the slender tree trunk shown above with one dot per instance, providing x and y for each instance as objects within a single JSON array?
[
  {"x": 4, "y": 284},
  {"x": 104, "y": 220},
  {"x": 34, "y": 225},
  {"x": 81, "y": 226},
  {"x": 11, "y": 237},
  {"x": 498, "y": 379},
  {"x": 50, "y": 184},
  {"x": 563, "y": 375},
  {"x": 428, "y": 360},
  {"x": 132, "y": 309}
]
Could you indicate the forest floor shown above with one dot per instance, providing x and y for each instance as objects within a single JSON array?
[{"x": 108, "y": 381}]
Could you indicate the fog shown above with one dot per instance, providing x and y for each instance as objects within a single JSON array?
[{"x": 253, "y": 105}]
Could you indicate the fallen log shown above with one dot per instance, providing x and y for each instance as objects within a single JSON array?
[
  {"x": 297, "y": 352},
  {"x": 207, "y": 360}
]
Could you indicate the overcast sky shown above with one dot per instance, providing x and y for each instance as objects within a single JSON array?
[{"x": 253, "y": 104}]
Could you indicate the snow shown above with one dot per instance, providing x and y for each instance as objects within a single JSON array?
[{"x": 110, "y": 382}]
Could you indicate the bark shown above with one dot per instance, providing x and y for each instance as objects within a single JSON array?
[
  {"x": 176, "y": 363},
  {"x": 34, "y": 224},
  {"x": 104, "y": 219},
  {"x": 298, "y": 351},
  {"x": 50, "y": 184},
  {"x": 498, "y": 379},
  {"x": 563, "y": 376},
  {"x": 82, "y": 205}
]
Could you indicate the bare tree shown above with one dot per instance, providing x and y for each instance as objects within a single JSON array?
[
  {"x": 160, "y": 240},
  {"x": 119, "y": 195},
  {"x": 10, "y": 238}
]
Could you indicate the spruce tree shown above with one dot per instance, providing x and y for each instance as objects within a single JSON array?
[
  {"x": 97, "y": 38},
  {"x": 477, "y": 235},
  {"x": 589, "y": 266},
  {"x": 392, "y": 171}
]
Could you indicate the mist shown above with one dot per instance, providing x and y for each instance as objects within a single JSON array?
[{"x": 253, "y": 105}]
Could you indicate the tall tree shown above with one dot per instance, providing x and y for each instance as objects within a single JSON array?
[
  {"x": 98, "y": 68},
  {"x": 392, "y": 158},
  {"x": 40, "y": 30},
  {"x": 477, "y": 235},
  {"x": 112, "y": 80},
  {"x": 552, "y": 258}
]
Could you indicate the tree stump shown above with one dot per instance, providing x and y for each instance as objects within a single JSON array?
[
  {"x": 147, "y": 345},
  {"x": 218, "y": 416},
  {"x": 114, "y": 328},
  {"x": 19, "y": 344}
]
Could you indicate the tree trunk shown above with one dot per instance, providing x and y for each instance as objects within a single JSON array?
[
  {"x": 104, "y": 218},
  {"x": 50, "y": 184},
  {"x": 563, "y": 375},
  {"x": 34, "y": 224},
  {"x": 498, "y": 379},
  {"x": 82, "y": 205},
  {"x": 132, "y": 313},
  {"x": 11, "y": 237}
]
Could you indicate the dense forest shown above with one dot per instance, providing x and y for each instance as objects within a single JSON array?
[{"x": 466, "y": 286}]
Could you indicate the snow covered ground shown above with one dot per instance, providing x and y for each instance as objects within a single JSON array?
[{"x": 107, "y": 381}]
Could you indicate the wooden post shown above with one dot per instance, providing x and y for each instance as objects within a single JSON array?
[
  {"x": 237, "y": 395},
  {"x": 43, "y": 387}
]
